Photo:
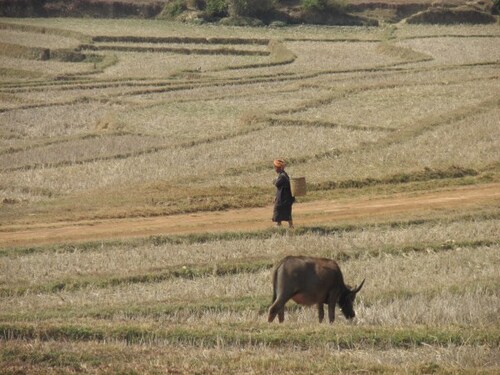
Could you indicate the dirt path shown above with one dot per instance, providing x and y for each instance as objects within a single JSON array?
[{"x": 403, "y": 206}]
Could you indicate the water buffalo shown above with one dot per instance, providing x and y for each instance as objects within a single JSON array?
[{"x": 311, "y": 281}]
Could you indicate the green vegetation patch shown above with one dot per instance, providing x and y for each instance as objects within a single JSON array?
[
  {"x": 151, "y": 311},
  {"x": 50, "y": 358},
  {"x": 270, "y": 335}
]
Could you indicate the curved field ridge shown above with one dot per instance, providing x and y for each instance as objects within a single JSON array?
[{"x": 179, "y": 39}]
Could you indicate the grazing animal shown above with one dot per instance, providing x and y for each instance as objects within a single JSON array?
[{"x": 311, "y": 281}]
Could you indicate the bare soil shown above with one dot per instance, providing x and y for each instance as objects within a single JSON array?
[{"x": 403, "y": 206}]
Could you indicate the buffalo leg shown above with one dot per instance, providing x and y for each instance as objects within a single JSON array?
[
  {"x": 321, "y": 312},
  {"x": 332, "y": 301},
  {"x": 277, "y": 308},
  {"x": 273, "y": 311},
  {"x": 281, "y": 315}
]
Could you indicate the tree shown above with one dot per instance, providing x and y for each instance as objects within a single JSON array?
[
  {"x": 496, "y": 6},
  {"x": 323, "y": 5},
  {"x": 249, "y": 8},
  {"x": 216, "y": 7}
]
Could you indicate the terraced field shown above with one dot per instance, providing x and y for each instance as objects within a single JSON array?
[{"x": 128, "y": 121}]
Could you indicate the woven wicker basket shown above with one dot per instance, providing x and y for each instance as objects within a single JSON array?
[{"x": 298, "y": 185}]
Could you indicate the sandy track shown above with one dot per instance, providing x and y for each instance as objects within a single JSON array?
[{"x": 398, "y": 206}]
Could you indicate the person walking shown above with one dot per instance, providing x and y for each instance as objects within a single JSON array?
[{"x": 284, "y": 199}]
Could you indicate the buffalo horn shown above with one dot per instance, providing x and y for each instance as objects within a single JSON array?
[{"x": 358, "y": 288}]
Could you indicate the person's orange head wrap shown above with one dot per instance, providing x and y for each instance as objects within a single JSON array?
[{"x": 279, "y": 163}]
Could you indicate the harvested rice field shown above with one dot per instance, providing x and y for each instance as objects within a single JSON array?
[{"x": 136, "y": 195}]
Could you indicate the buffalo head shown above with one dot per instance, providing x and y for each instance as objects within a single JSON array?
[{"x": 346, "y": 300}]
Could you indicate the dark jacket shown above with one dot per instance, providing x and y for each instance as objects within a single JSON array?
[{"x": 283, "y": 190}]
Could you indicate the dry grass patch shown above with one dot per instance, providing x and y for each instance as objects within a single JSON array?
[
  {"x": 37, "y": 39},
  {"x": 469, "y": 143},
  {"x": 47, "y": 68},
  {"x": 170, "y": 166},
  {"x": 94, "y": 357},
  {"x": 100, "y": 92},
  {"x": 436, "y": 290},
  {"x": 314, "y": 56},
  {"x": 402, "y": 76},
  {"x": 199, "y": 304},
  {"x": 425, "y": 302},
  {"x": 456, "y": 51},
  {"x": 189, "y": 122},
  {"x": 150, "y": 65},
  {"x": 399, "y": 107},
  {"x": 154, "y": 28},
  {"x": 47, "y": 123},
  {"x": 77, "y": 151},
  {"x": 427, "y": 31},
  {"x": 125, "y": 260},
  {"x": 218, "y": 129},
  {"x": 8, "y": 74},
  {"x": 252, "y": 97}
]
